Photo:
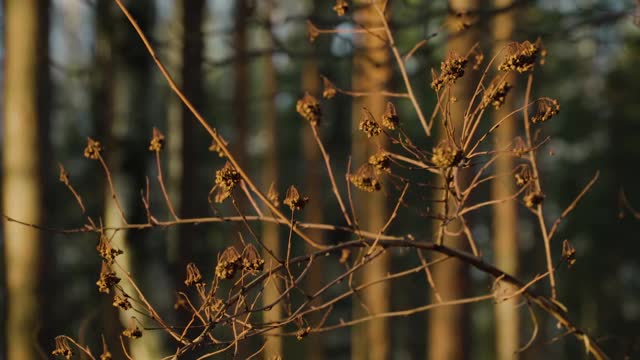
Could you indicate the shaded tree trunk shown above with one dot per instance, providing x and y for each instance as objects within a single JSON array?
[
  {"x": 270, "y": 232},
  {"x": 125, "y": 155},
  {"x": 505, "y": 214},
  {"x": 371, "y": 72},
  {"x": 25, "y": 117},
  {"x": 449, "y": 326},
  {"x": 314, "y": 344}
]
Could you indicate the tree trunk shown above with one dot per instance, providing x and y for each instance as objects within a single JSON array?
[
  {"x": 314, "y": 344},
  {"x": 270, "y": 232},
  {"x": 371, "y": 72},
  {"x": 449, "y": 325},
  {"x": 25, "y": 114},
  {"x": 131, "y": 81},
  {"x": 505, "y": 214}
]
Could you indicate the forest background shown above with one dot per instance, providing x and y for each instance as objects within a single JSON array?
[{"x": 76, "y": 69}]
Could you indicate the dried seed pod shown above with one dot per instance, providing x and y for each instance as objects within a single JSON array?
[
  {"x": 107, "y": 279},
  {"x": 365, "y": 178},
  {"x": 533, "y": 199},
  {"x": 520, "y": 57},
  {"x": 193, "y": 275},
  {"x": 157, "y": 141},
  {"x": 309, "y": 108},
  {"x": 273, "y": 195},
  {"x": 495, "y": 94},
  {"x": 368, "y": 124},
  {"x": 380, "y": 162},
  {"x": 568, "y": 253},
  {"x": 329, "y": 89},
  {"x": 226, "y": 180},
  {"x": 93, "y": 149},
  {"x": 547, "y": 108},
  {"x": 106, "y": 251},
  {"x": 451, "y": 69},
  {"x": 251, "y": 259},
  {"x": 215, "y": 147},
  {"x": 446, "y": 155},
  {"x": 341, "y": 7},
  {"x": 121, "y": 302},
  {"x": 62, "y": 348},
  {"x": 390, "y": 118},
  {"x": 228, "y": 263},
  {"x": 293, "y": 199}
]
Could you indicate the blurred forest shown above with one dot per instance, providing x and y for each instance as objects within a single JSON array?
[{"x": 99, "y": 153}]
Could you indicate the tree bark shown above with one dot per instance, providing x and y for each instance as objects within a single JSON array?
[
  {"x": 371, "y": 72},
  {"x": 505, "y": 214},
  {"x": 449, "y": 326},
  {"x": 270, "y": 171},
  {"x": 25, "y": 114}
]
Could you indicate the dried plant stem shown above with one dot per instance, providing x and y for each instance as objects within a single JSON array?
[
  {"x": 163, "y": 189},
  {"x": 403, "y": 70},
  {"x": 214, "y": 135},
  {"x": 536, "y": 178},
  {"x": 334, "y": 186},
  {"x": 112, "y": 189}
]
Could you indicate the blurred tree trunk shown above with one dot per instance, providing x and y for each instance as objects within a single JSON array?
[
  {"x": 371, "y": 72},
  {"x": 449, "y": 326},
  {"x": 186, "y": 145},
  {"x": 25, "y": 117},
  {"x": 270, "y": 233},
  {"x": 102, "y": 112},
  {"x": 126, "y": 157},
  {"x": 505, "y": 214},
  {"x": 314, "y": 344}
]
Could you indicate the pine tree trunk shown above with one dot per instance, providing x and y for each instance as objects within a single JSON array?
[
  {"x": 371, "y": 72},
  {"x": 25, "y": 113},
  {"x": 270, "y": 232},
  {"x": 505, "y": 214},
  {"x": 449, "y": 326}
]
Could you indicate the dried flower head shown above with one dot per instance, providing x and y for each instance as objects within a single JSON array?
[
  {"x": 329, "y": 88},
  {"x": 390, "y": 118},
  {"x": 380, "y": 162},
  {"x": 215, "y": 147},
  {"x": 309, "y": 108},
  {"x": 445, "y": 155},
  {"x": 107, "y": 279},
  {"x": 547, "y": 108},
  {"x": 496, "y": 93},
  {"x": 293, "y": 199},
  {"x": 341, "y": 7},
  {"x": 533, "y": 199},
  {"x": 121, "y": 302},
  {"x": 228, "y": 263},
  {"x": 312, "y": 31},
  {"x": 450, "y": 70},
  {"x": 520, "y": 57},
  {"x": 273, "y": 195},
  {"x": 478, "y": 58},
  {"x": 303, "y": 332},
  {"x": 520, "y": 147},
  {"x": 106, "y": 355},
  {"x": 568, "y": 253},
  {"x": 368, "y": 124},
  {"x": 62, "y": 348},
  {"x": 106, "y": 251},
  {"x": 251, "y": 259},
  {"x": 226, "y": 180},
  {"x": 93, "y": 149},
  {"x": 365, "y": 178},
  {"x": 523, "y": 176},
  {"x": 193, "y": 275},
  {"x": 133, "y": 332},
  {"x": 157, "y": 141}
]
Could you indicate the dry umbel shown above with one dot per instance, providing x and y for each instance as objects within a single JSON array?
[
  {"x": 365, "y": 178},
  {"x": 309, "y": 108}
]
